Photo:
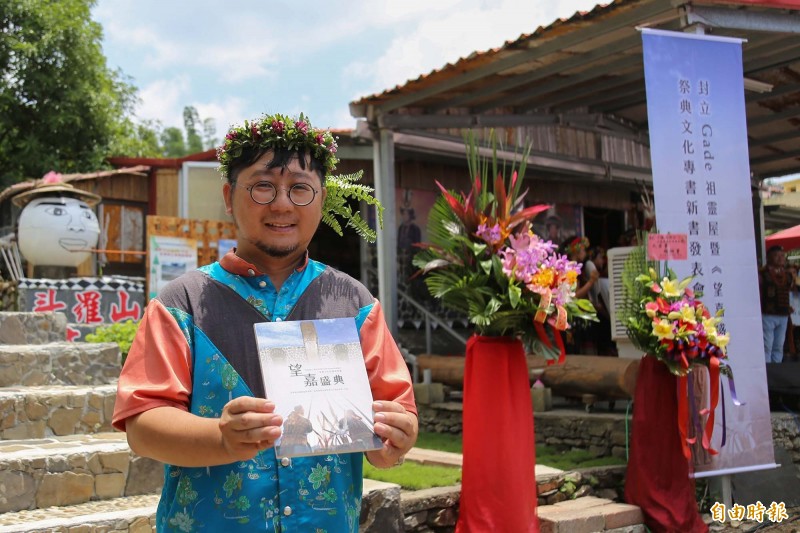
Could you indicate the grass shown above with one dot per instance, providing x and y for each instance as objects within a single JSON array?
[
  {"x": 412, "y": 476},
  {"x": 572, "y": 459},
  {"x": 439, "y": 441}
]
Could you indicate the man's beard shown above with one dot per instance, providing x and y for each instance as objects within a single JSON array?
[{"x": 274, "y": 251}]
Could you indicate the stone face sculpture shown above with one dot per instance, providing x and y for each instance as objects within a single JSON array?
[{"x": 57, "y": 226}]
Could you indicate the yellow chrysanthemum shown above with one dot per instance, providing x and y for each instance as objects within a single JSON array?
[
  {"x": 572, "y": 276},
  {"x": 663, "y": 329}
]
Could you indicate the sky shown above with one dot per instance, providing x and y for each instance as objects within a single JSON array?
[{"x": 237, "y": 60}]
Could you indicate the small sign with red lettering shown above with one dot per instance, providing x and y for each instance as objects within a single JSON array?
[{"x": 666, "y": 247}]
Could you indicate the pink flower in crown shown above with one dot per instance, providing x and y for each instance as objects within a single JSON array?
[
  {"x": 332, "y": 148},
  {"x": 277, "y": 126},
  {"x": 320, "y": 139},
  {"x": 255, "y": 132},
  {"x": 231, "y": 136},
  {"x": 301, "y": 126}
]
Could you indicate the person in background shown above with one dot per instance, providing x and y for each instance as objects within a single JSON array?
[
  {"x": 191, "y": 394},
  {"x": 576, "y": 249},
  {"x": 794, "y": 319},
  {"x": 775, "y": 281},
  {"x": 601, "y": 330}
]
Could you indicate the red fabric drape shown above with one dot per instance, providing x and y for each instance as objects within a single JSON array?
[
  {"x": 657, "y": 479},
  {"x": 498, "y": 483}
]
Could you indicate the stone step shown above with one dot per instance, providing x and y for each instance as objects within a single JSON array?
[
  {"x": 59, "y": 363},
  {"x": 32, "y": 328},
  {"x": 57, "y": 471},
  {"x": 589, "y": 514},
  {"x": 134, "y": 514},
  {"x": 39, "y": 412}
]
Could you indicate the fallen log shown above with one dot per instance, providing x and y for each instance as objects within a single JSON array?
[
  {"x": 449, "y": 369},
  {"x": 603, "y": 377},
  {"x": 598, "y": 376}
]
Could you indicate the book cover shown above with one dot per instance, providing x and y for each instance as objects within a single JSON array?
[{"x": 314, "y": 372}]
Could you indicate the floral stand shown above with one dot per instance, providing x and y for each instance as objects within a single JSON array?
[
  {"x": 657, "y": 478},
  {"x": 498, "y": 486}
]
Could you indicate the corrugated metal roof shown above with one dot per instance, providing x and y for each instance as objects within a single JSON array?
[{"x": 590, "y": 66}]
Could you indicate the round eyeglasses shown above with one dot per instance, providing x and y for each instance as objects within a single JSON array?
[{"x": 264, "y": 193}]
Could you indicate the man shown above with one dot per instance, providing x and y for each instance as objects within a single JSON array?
[
  {"x": 176, "y": 398},
  {"x": 295, "y": 434},
  {"x": 775, "y": 282},
  {"x": 353, "y": 426}
]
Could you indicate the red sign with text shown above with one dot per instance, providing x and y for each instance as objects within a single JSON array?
[{"x": 667, "y": 247}]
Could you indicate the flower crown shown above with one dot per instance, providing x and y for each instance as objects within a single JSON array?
[{"x": 271, "y": 131}]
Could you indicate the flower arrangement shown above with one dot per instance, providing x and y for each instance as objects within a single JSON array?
[
  {"x": 666, "y": 319},
  {"x": 281, "y": 131},
  {"x": 483, "y": 260}
]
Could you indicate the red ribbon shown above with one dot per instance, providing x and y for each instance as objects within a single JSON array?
[
  {"x": 683, "y": 415},
  {"x": 562, "y": 357},
  {"x": 713, "y": 374}
]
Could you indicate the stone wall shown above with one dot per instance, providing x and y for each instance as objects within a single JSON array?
[
  {"x": 59, "y": 364},
  {"x": 9, "y": 295},
  {"x": 602, "y": 434},
  {"x": 436, "y": 510},
  {"x": 32, "y": 328},
  {"x": 75, "y": 478},
  {"x": 55, "y": 411},
  {"x": 786, "y": 433}
]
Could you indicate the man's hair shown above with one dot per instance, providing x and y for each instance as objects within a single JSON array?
[
  {"x": 281, "y": 158},
  {"x": 772, "y": 250}
]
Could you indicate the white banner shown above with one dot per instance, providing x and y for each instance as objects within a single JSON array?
[{"x": 701, "y": 181}]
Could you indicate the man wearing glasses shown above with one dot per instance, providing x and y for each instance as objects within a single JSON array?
[{"x": 191, "y": 395}]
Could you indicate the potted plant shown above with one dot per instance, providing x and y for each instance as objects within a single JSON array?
[{"x": 484, "y": 261}]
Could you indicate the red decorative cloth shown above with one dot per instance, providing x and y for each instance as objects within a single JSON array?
[
  {"x": 498, "y": 483},
  {"x": 657, "y": 479}
]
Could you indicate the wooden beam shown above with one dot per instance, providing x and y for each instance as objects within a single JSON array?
[
  {"x": 464, "y": 121},
  {"x": 516, "y": 80},
  {"x": 568, "y": 94}
]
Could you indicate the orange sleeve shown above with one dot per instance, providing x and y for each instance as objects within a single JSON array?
[
  {"x": 387, "y": 371},
  {"x": 158, "y": 369}
]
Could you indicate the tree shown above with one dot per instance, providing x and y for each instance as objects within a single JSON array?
[
  {"x": 172, "y": 142},
  {"x": 190, "y": 121},
  {"x": 61, "y": 106}
]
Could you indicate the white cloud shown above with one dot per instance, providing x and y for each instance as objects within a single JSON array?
[
  {"x": 291, "y": 56},
  {"x": 231, "y": 111},
  {"x": 163, "y": 100},
  {"x": 430, "y": 42}
]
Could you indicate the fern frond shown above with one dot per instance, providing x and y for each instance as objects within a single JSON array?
[{"x": 341, "y": 190}]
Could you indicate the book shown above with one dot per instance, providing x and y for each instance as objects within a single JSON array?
[{"x": 314, "y": 372}]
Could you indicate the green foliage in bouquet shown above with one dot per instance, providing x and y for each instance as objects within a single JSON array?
[
  {"x": 483, "y": 259},
  {"x": 120, "y": 332},
  {"x": 664, "y": 318}
]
